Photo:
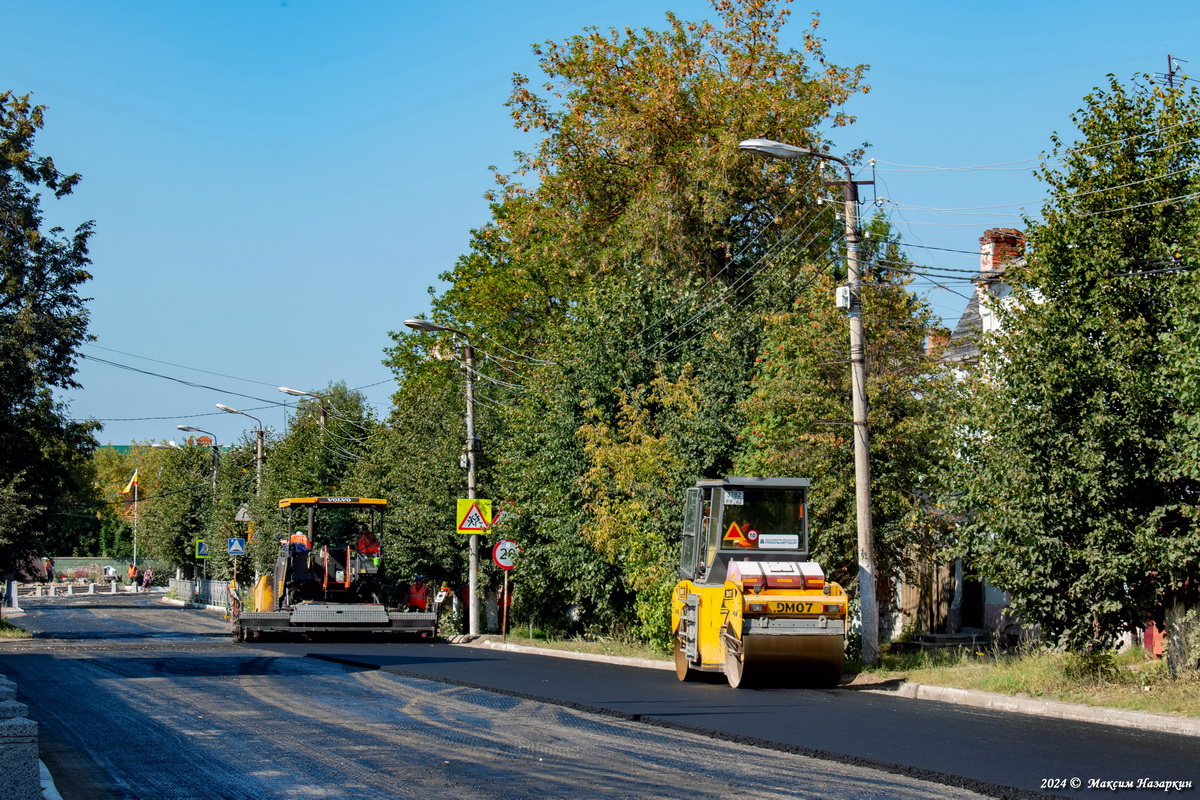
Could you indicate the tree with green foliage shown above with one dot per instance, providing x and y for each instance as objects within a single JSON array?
[
  {"x": 413, "y": 464},
  {"x": 638, "y": 250},
  {"x": 236, "y": 488},
  {"x": 113, "y": 469},
  {"x": 631, "y": 489},
  {"x": 44, "y": 456},
  {"x": 1077, "y": 483},
  {"x": 176, "y": 495},
  {"x": 800, "y": 417},
  {"x": 639, "y": 160}
]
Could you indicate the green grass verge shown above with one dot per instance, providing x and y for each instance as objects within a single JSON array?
[
  {"x": 10, "y": 631},
  {"x": 1131, "y": 680}
]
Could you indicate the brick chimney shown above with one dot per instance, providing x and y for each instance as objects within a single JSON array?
[
  {"x": 998, "y": 246},
  {"x": 937, "y": 341}
]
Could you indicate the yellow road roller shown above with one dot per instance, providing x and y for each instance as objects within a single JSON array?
[{"x": 749, "y": 602}]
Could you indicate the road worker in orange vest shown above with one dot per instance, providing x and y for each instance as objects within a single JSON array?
[
  {"x": 418, "y": 595},
  {"x": 300, "y": 542},
  {"x": 368, "y": 543}
]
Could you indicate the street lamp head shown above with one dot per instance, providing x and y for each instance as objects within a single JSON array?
[
  {"x": 293, "y": 393},
  {"x": 191, "y": 429},
  {"x": 425, "y": 325},
  {"x": 773, "y": 149},
  {"x": 227, "y": 409}
]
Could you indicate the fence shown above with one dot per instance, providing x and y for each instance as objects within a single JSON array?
[{"x": 210, "y": 593}]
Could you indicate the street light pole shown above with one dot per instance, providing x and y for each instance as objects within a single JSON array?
[
  {"x": 171, "y": 445},
  {"x": 320, "y": 398},
  {"x": 258, "y": 449},
  {"x": 473, "y": 556},
  {"x": 216, "y": 453},
  {"x": 868, "y": 603}
]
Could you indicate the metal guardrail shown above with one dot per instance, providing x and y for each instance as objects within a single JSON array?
[{"x": 209, "y": 593}]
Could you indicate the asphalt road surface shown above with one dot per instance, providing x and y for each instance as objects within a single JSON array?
[{"x": 138, "y": 699}]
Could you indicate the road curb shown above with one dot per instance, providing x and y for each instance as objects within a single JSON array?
[
  {"x": 627, "y": 661},
  {"x": 1141, "y": 720},
  {"x": 185, "y": 604}
]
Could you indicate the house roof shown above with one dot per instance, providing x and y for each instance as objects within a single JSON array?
[{"x": 964, "y": 340}]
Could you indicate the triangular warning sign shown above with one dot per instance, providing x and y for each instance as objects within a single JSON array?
[
  {"x": 472, "y": 515},
  {"x": 474, "y": 520},
  {"x": 734, "y": 534}
]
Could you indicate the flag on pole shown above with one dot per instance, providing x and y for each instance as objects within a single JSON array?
[{"x": 132, "y": 484}]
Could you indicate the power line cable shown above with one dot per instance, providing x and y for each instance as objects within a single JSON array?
[
  {"x": 1181, "y": 197},
  {"x": 793, "y": 258},
  {"x": 730, "y": 289},
  {"x": 177, "y": 380},
  {"x": 796, "y": 196},
  {"x": 1006, "y": 165},
  {"x": 520, "y": 356},
  {"x": 143, "y": 498},
  {"x": 181, "y": 366}
]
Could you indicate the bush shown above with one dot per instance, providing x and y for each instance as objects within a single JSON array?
[{"x": 1097, "y": 667}]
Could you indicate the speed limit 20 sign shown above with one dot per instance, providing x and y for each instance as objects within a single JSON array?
[{"x": 505, "y": 554}]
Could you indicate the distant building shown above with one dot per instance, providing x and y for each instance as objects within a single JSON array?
[
  {"x": 975, "y": 604},
  {"x": 999, "y": 249},
  {"x": 943, "y": 599}
]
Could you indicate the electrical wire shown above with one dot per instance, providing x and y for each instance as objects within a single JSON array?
[
  {"x": 942, "y": 249},
  {"x": 930, "y": 272},
  {"x": 807, "y": 283},
  {"x": 521, "y": 356},
  {"x": 499, "y": 362},
  {"x": 475, "y": 371},
  {"x": 972, "y": 272},
  {"x": 494, "y": 405},
  {"x": 1006, "y": 165},
  {"x": 143, "y": 498},
  {"x": 740, "y": 254},
  {"x": 1181, "y": 197},
  {"x": 177, "y": 380},
  {"x": 750, "y": 272},
  {"x": 181, "y": 366},
  {"x": 1064, "y": 199}
]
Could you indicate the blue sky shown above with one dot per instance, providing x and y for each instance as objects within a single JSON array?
[{"x": 276, "y": 184}]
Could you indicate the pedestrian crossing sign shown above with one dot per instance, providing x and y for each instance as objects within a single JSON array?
[
  {"x": 473, "y": 515},
  {"x": 201, "y": 548}
]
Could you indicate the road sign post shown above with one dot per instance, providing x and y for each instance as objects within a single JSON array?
[
  {"x": 237, "y": 547},
  {"x": 202, "y": 555},
  {"x": 505, "y": 556}
]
